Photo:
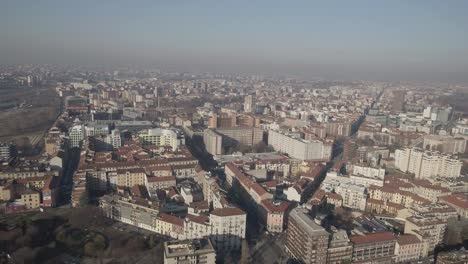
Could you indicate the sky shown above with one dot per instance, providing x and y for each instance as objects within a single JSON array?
[{"x": 391, "y": 39}]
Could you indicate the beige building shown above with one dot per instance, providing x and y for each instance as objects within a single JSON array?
[
  {"x": 31, "y": 199},
  {"x": 430, "y": 229},
  {"x": 131, "y": 177},
  {"x": 248, "y": 136},
  {"x": 408, "y": 248},
  {"x": 5, "y": 191}
]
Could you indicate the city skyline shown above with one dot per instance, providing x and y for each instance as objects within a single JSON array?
[{"x": 420, "y": 40}]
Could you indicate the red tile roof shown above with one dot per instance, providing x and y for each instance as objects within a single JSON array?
[
  {"x": 272, "y": 208},
  {"x": 459, "y": 200},
  {"x": 227, "y": 211},
  {"x": 408, "y": 239},
  {"x": 171, "y": 219},
  {"x": 372, "y": 238}
]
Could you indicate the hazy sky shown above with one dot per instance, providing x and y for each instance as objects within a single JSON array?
[{"x": 335, "y": 39}]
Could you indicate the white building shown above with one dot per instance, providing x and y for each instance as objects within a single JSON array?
[
  {"x": 354, "y": 195},
  {"x": 368, "y": 171},
  {"x": 299, "y": 148},
  {"x": 114, "y": 139},
  {"x": 159, "y": 137},
  {"x": 248, "y": 104},
  {"x": 77, "y": 135},
  {"x": 425, "y": 164},
  {"x": 213, "y": 142}
]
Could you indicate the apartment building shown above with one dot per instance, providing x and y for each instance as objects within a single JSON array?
[
  {"x": 131, "y": 177},
  {"x": 248, "y": 136},
  {"x": 444, "y": 144},
  {"x": 299, "y": 148},
  {"x": 408, "y": 248},
  {"x": 213, "y": 142},
  {"x": 159, "y": 137},
  {"x": 459, "y": 202},
  {"x": 430, "y": 229},
  {"x": 29, "y": 198},
  {"x": 366, "y": 171},
  {"x": 425, "y": 164},
  {"x": 306, "y": 241},
  {"x": 353, "y": 194},
  {"x": 189, "y": 251},
  {"x": 76, "y": 135},
  {"x": 373, "y": 248},
  {"x": 228, "y": 227}
]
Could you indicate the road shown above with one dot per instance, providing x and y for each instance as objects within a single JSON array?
[
  {"x": 66, "y": 181},
  {"x": 270, "y": 249}
]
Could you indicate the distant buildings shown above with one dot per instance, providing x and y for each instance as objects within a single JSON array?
[
  {"x": 248, "y": 104},
  {"x": 408, "y": 248},
  {"x": 6, "y": 151}
]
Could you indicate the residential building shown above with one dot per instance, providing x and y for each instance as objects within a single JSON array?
[
  {"x": 299, "y": 148},
  {"x": 425, "y": 164},
  {"x": 306, "y": 241},
  {"x": 408, "y": 248},
  {"x": 373, "y": 247},
  {"x": 189, "y": 251},
  {"x": 457, "y": 201},
  {"x": 430, "y": 229},
  {"x": 248, "y": 104},
  {"x": 340, "y": 249},
  {"x": 160, "y": 137},
  {"x": 77, "y": 135},
  {"x": 131, "y": 177},
  {"x": 213, "y": 142}
]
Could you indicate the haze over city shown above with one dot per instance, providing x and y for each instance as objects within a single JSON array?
[
  {"x": 389, "y": 40},
  {"x": 226, "y": 132}
]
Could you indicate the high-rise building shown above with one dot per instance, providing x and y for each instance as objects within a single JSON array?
[
  {"x": 248, "y": 104},
  {"x": 5, "y": 151},
  {"x": 77, "y": 135},
  {"x": 114, "y": 139},
  {"x": 213, "y": 142},
  {"x": 306, "y": 242},
  {"x": 425, "y": 164}
]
